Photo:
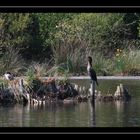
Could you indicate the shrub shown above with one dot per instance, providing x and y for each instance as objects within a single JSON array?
[
  {"x": 11, "y": 61},
  {"x": 126, "y": 61}
]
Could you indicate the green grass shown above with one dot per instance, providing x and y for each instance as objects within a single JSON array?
[
  {"x": 11, "y": 61},
  {"x": 102, "y": 65},
  {"x": 127, "y": 61},
  {"x": 72, "y": 62}
]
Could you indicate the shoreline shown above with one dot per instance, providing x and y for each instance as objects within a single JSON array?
[
  {"x": 110, "y": 77},
  {"x": 99, "y": 77}
]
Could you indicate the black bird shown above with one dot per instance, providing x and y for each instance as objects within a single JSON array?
[{"x": 91, "y": 71}]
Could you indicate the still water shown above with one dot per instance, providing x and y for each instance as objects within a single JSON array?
[{"x": 103, "y": 114}]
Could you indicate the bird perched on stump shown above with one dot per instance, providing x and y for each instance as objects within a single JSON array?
[
  {"x": 9, "y": 76},
  {"x": 91, "y": 71}
]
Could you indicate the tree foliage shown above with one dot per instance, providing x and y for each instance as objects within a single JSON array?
[{"x": 41, "y": 36}]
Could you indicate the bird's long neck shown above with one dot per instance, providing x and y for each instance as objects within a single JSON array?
[{"x": 89, "y": 66}]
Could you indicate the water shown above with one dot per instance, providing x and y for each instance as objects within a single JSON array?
[{"x": 103, "y": 114}]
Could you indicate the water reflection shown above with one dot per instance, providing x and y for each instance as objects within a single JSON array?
[
  {"x": 119, "y": 106},
  {"x": 73, "y": 114},
  {"x": 88, "y": 114},
  {"x": 26, "y": 115},
  {"x": 16, "y": 114},
  {"x": 93, "y": 113}
]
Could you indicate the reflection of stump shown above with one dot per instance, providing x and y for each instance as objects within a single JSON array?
[
  {"x": 121, "y": 93},
  {"x": 92, "y": 87}
]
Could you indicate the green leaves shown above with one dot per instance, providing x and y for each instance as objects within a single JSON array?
[{"x": 67, "y": 37}]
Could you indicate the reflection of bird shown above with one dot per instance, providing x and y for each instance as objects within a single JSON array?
[
  {"x": 91, "y": 71},
  {"x": 9, "y": 76}
]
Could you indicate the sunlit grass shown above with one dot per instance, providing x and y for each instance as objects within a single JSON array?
[{"x": 127, "y": 61}]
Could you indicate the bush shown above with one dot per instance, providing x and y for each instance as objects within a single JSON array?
[
  {"x": 102, "y": 65},
  {"x": 11, "y": 61},
  {"x": 127, "y": 61}
]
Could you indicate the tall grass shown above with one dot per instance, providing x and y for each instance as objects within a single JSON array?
[
  {"x": 102, "y": 65},
  {"x": 39, "y": 69},
  {"x": 127, "y": 62},
  {"x": 74, "y": 60},
  {"x": 71, "y": 58},
  {"x": 57, "y": 70},
  {"x": 11, "y": 61}
]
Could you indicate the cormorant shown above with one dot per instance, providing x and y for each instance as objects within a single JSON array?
[{"x": 91, "y": 71}]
